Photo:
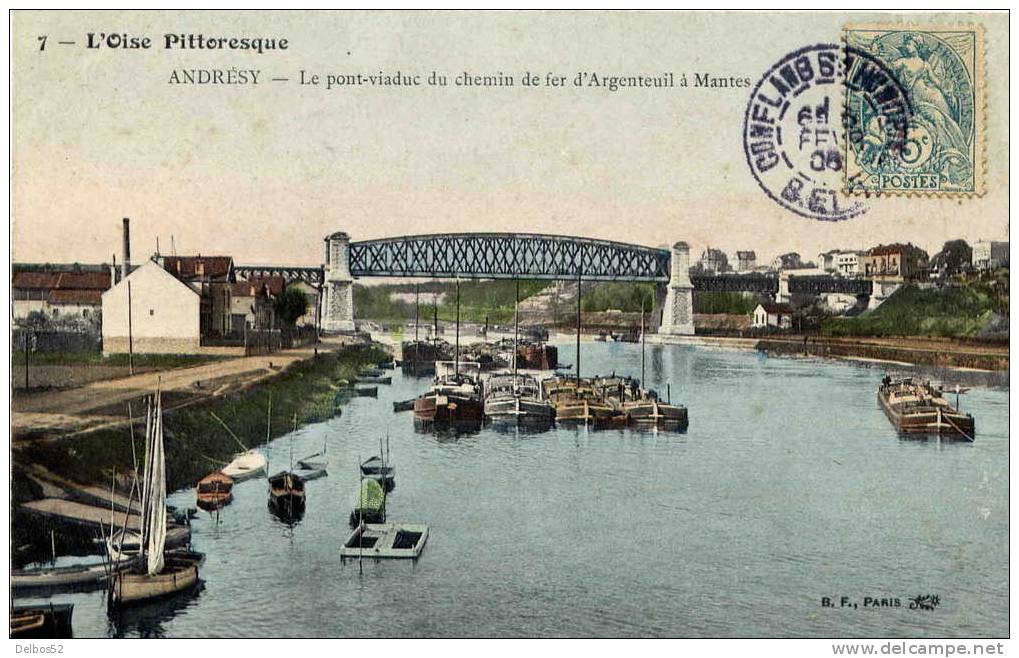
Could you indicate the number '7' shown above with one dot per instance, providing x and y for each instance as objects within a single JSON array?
[{"x": 42, "y": 43}]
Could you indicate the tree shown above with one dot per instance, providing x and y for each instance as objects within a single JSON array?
[
  {"x": 955, "y": 256},
  {"x": 291, "y": 305}
]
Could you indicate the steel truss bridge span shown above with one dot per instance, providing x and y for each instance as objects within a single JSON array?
[
  {"x": 311, "y": 275},
  {"x": 812, "y": 284},
  {"x": 508, "y": 256}
]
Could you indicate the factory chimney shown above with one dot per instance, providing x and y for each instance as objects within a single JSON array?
[{"x": 125, "y": 266}]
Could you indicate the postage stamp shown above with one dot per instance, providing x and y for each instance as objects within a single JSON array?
[{"x": 939, "y": 71}]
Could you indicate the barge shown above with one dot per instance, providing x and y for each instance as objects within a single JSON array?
[{"x": 921, "y": 408}]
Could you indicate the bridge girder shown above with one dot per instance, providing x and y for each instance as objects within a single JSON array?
[
  {"x": 818, "y": 285},
  {"x": 311, "y": 275},
  {"x": 506, "y": 256}
]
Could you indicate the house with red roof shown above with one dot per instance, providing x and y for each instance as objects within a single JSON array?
[{"x": 59, "y": 291}]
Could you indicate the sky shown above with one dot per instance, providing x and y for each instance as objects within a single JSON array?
[{"x": 263, "y": 173}]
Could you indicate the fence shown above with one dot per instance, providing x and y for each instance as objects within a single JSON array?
[{"x": 56, "y": 341}]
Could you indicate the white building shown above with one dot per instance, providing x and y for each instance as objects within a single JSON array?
[
  {"x": 847, "y": 263},
  {"x": 989, "y": 254},
  {"x": 838, "y": 302},
  {"x": 768, "y": 314},
  {"x": 827, "y": 260},
  {"x": 165, "y": 313}
]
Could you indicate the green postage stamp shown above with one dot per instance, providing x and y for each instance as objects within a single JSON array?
[{"x": 914, "y": 109}]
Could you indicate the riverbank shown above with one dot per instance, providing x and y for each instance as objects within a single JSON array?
[
  {"x": 304, "y": 391},
  {"x": 934, "y": 352}
]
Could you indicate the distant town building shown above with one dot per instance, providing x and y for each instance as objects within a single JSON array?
[
  {"x": 894, "y": 263},
  {"x": 251, "y": 303},
  {"x": 746, "y": 261},
  {"x": 989, "y": 254},
  {"x": 827, "y": 261},
  {"x": 789, "y": 261},
  {"x": 714, "y": 261},
  {"x": 213, "y": 278},
  {"x": 769, "y": 314},
  {"x": 847, "y": 263},
  {"x": 59, "y": 291}
]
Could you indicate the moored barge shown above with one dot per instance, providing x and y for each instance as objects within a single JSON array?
[{"x": 920, "y": 408}]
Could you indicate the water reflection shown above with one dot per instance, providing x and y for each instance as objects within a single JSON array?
[{"x": 148, "y": 620}]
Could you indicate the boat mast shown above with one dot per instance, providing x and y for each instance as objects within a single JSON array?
[
  {"x": 642, "y": 344},
  {"x": 417, "y": 322},
  {"x": 578, "y": 326},
  {"x": 456, "y": 353},
  {"x": 435, "y": 328},
  {"x": 516, "y": 330}
]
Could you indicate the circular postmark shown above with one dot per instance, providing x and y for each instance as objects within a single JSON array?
[{"x": 792, "y": 134}]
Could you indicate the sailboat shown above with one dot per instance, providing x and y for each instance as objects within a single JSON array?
[{"x": 159, "y": 573}]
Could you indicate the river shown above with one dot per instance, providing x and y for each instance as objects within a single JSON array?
[{"x": 789, "y": 486}]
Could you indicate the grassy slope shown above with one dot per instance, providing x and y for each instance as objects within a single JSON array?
[
  {"x": 478, "y": 300},
  {"x": 196, "y": 444},
  {"x": 954, "y": 312}
]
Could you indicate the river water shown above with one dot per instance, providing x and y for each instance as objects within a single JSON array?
[{"x": 789, "y": 486}]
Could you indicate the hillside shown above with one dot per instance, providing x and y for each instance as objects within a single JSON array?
[{"x": 976, "y": 308}]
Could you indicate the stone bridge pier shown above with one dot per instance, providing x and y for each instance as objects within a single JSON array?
[
  {"x": 338, "y": 288},
  {"x": 677, "y": 313}
]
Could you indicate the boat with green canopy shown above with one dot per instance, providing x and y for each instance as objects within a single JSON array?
[{"x": 369, "y": 503}]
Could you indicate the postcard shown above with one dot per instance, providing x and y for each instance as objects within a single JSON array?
[{"x": 470, "y": 324}]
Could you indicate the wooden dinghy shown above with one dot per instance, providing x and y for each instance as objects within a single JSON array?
[
  {"x": 309, "y": 474},
  {"x": 367, "y": 391},
  {"x": 47, "y": 620},
  {"x": 214, "y": 491},
  {"x": 377, "y": 469},
  {"x": 80, "y": 578},
  {"x": 385, "y": 541},
  {"x": 375, "y": 380},
  {"x": 245, "y": 466},
  {"x": 403, "y": 405},
  {"x": 286, "y": 494}
]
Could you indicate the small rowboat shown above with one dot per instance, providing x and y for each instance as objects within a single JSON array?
[
  {"x": 308, "y": 474},
  {"x": 286, "y": 494},
  {"x": 404, "y": 405},
  {"x": 245, "y": 466},
  {"x": 47, "y": 620},
  {"x": 82, "y": 577},
  {"x": 376, "y": 469},
  {"x": 214, "y": 491}
]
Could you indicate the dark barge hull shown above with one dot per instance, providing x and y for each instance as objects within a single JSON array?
[
  {"x": 453, "y": 411},
  {"x": 56, "y": 620},
  {"x": 926, "y": 423}
]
